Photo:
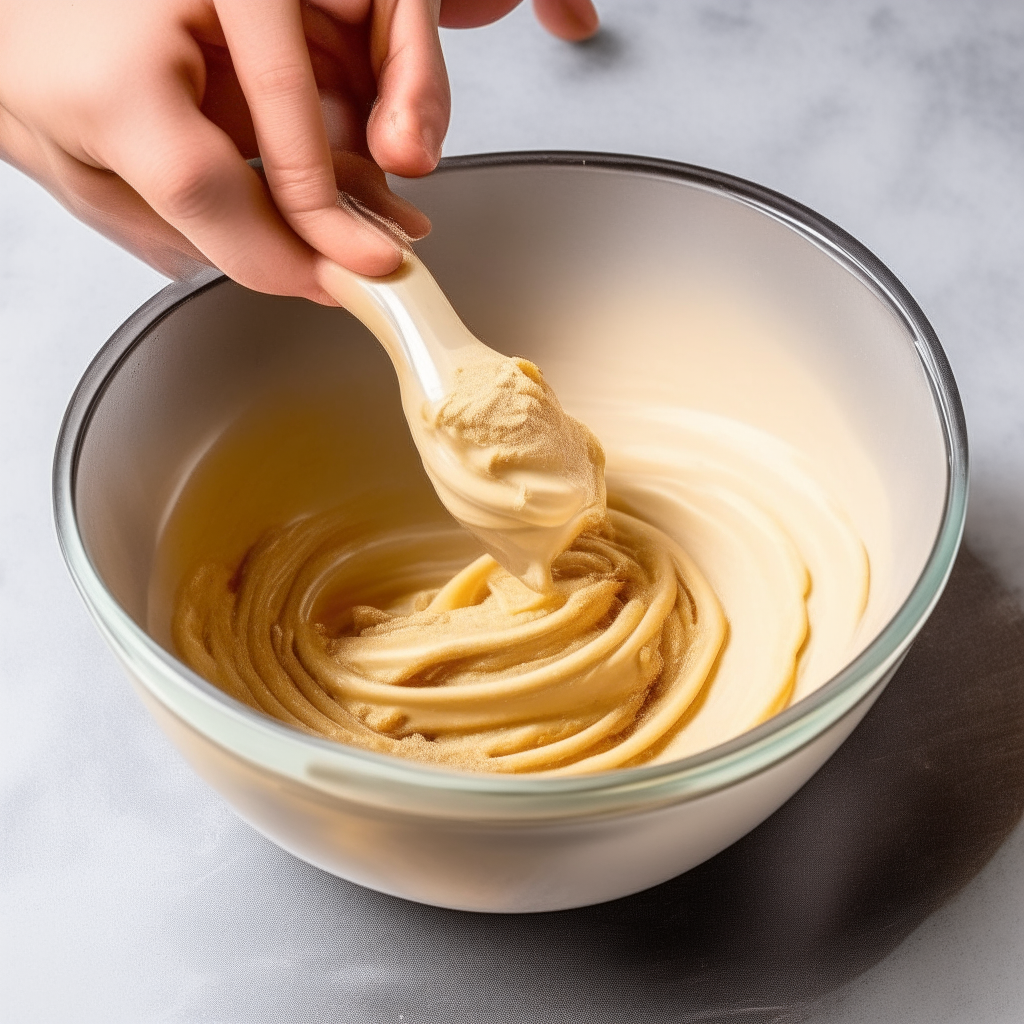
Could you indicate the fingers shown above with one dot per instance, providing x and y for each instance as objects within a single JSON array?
[
  {"x": 410, "y": 118},
  {"x": 192, "y": 175},
  {"x": 107, "y": 203},
  {"x": 223, "y": 102},
  {"x": 102, "y": 200},
  {"x": 273, "y": 68},
  {"x": 365, "y": 181},
  {"x": 571, "y": 20}
]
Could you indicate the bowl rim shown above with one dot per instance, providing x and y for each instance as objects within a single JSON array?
[{"x": 742, "y": 757}]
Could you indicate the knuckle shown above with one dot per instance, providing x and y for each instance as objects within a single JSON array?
[
  {"x": 190, "y": 189},
  {"x": 281, "y": 81},
  {"x": 300, "y": 190}
]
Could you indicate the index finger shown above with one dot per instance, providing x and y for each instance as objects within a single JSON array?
[{"x": 272, "y": 63}]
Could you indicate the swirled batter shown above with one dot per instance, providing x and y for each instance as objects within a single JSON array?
[
  {"x": 480, "y": 672},
  {"x": 723, "y": 582}
]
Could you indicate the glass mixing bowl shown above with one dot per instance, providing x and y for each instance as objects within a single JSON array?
[{"x": 555, "y": 256}]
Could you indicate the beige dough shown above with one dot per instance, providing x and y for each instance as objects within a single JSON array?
[
  {"x": 512, "y": 466},
  {"x": 723, "y": 581}
]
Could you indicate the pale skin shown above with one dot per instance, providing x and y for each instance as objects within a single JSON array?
[{"x": 139, "y": 116}]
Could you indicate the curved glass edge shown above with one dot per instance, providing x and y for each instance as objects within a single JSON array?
[{"x": 336, "y": 769}]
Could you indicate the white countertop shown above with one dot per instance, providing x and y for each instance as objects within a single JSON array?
[{"x": 128, "y": 891}]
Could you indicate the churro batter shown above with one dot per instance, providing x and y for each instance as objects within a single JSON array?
[
  {"x": 722, "y": 582},
  {"x": 511, "y": 465}
]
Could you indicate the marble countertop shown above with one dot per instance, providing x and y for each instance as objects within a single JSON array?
[{"x": 120, "y": 872}]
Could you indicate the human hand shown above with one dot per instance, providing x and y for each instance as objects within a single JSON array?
[{"x": 140, "y": 116}]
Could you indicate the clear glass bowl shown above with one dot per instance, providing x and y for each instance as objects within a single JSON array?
[{"x": 523, "y": 241}]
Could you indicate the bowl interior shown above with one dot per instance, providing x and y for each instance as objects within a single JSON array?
[{"x": 246, "y": 409}]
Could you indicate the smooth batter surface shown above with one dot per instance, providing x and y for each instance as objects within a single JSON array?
[{"x": 723, "y": 582}]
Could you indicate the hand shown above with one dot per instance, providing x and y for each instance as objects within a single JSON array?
[{"x": 139, "y": 116}]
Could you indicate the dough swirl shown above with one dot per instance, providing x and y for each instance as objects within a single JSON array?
[{"x": 382, "y": 641}]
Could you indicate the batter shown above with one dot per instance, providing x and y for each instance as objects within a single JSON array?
[
  {"x": 511, "y": 465},
  {"x": 721, "y": 582}
]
